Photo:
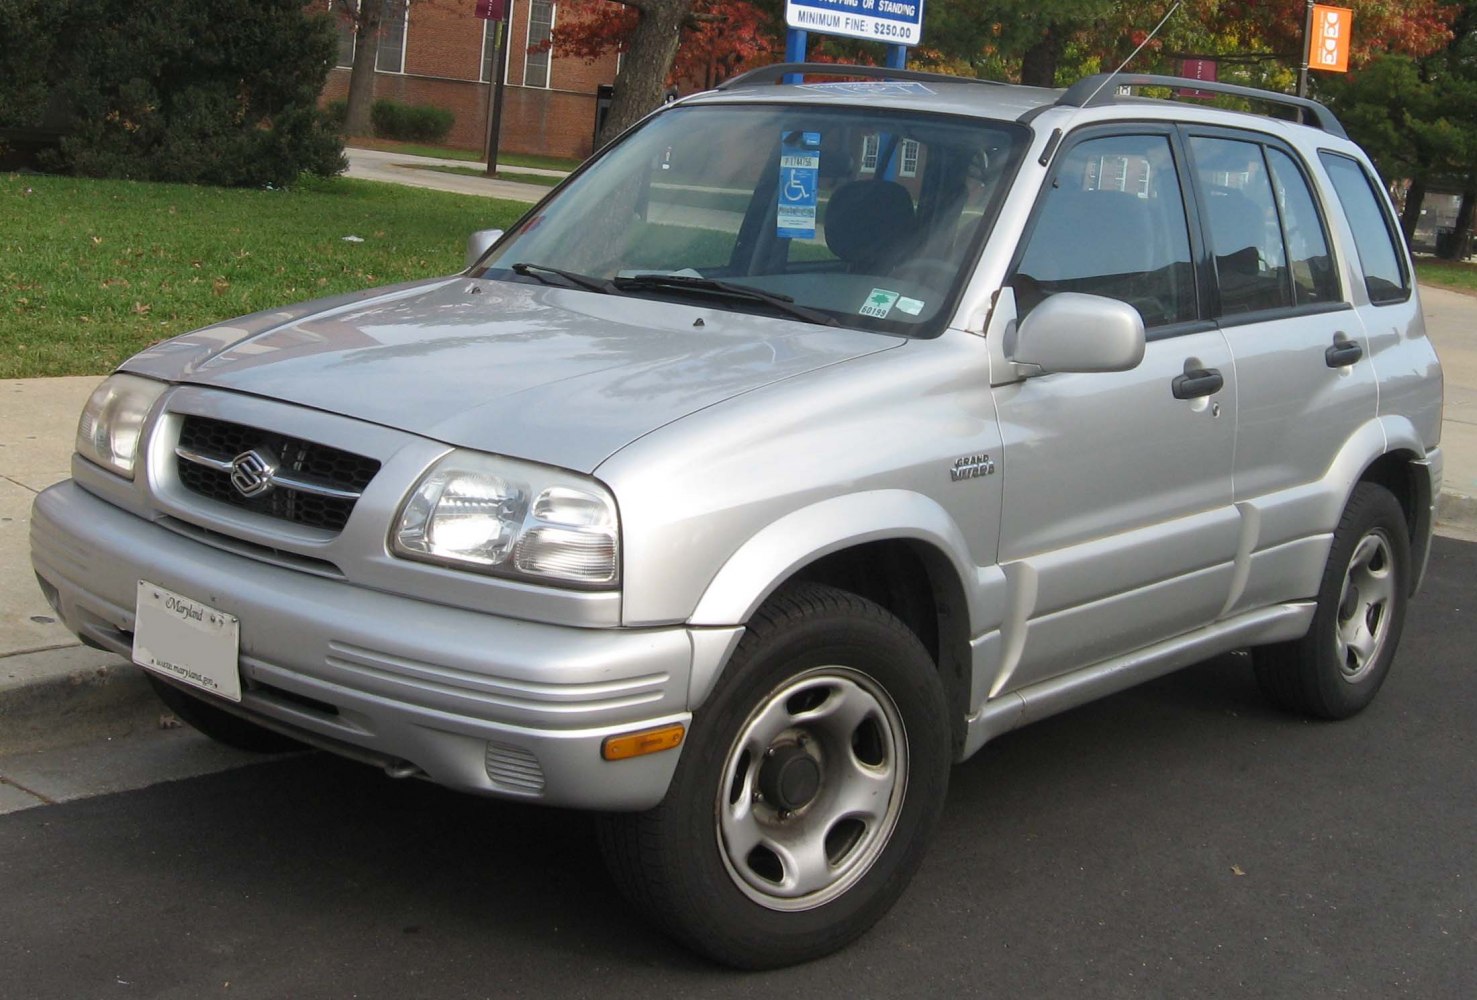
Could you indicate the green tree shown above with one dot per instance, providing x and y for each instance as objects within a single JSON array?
[
  {"x": 1417, "y": 117},
  {"x": 200, "y": 91},
  {"x": 1052, "y": 42}
]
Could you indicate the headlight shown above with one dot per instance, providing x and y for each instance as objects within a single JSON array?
[
  {"x": 510, "y": 518},
  {"x": 112, "y": 422}
]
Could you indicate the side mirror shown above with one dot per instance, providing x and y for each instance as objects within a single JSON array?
[
  {"x": 479, "y": 242},
  {"x": 1072, "y": 332}
]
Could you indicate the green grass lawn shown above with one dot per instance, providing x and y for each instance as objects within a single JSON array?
[
  {"x": 1455, "y": 275},
  {"x": 448, "y": 153},
  {"x": 93, "y": 271}
]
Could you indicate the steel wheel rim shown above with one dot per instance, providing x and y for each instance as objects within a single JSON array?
[
  {"x": 1365, "y": 601},
  {"x": 852, "y": 733}
]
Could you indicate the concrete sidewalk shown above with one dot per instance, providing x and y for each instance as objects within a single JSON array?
[
  {"x": 410, "y": 171},
  {"x": 52, "y": 689}
]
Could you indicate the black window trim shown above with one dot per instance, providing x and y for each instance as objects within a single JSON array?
[{"x": 1265, "y": 142}]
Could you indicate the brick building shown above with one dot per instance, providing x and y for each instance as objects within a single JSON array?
[{"x": 438, "y": 52}]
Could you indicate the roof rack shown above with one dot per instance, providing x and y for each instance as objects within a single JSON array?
[
  {"x": 1103, "y": 89},
  {"x": 778, "y": 71}
]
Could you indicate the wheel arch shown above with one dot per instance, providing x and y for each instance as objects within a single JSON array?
[
  {"x": 899, "y": 550},
  {"x": 1404, "y": 473}
]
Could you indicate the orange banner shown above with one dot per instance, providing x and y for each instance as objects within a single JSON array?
[{"x": 1328, "y": 41}]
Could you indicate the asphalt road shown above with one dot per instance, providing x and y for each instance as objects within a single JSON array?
[{"x": 1177, "y": 840}]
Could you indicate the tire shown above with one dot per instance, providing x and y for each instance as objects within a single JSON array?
[
  {"x": 1335, "y": 670},
  {"x": 808, "y": 787},
  {"x": 220, "y": 725}
]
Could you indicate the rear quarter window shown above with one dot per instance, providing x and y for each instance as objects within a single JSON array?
[{"x": 1380, "y": 260}]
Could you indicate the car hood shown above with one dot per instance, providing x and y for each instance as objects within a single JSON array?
[{"x": 546, "y": 374}]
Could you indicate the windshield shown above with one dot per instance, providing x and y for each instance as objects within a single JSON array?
[{"x": 859, "y": 216}]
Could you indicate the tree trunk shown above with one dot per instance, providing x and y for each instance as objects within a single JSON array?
[
  {"x": 1462, "y": 238},
  {"x": 1038, "y": 64},
  {"x": 1410, "y": 216},
  {"x": 642, "y": 80},
  {"x": 370, "y": 17}
]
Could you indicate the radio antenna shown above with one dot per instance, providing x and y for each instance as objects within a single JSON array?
[{"x": 1147, "y": 39}]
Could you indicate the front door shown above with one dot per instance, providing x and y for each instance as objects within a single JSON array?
[{"x": 1118, "y": 528}]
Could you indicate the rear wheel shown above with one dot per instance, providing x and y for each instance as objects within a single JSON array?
[
  {"x": 220, "y": 725},
  {"x": 806, "y": 791},
  {"x": 1338, "y": 667}
]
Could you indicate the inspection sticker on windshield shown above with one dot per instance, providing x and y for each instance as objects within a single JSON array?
[
  {"x": 800, "y": 168},
  {"x": 879, "y": 303},
  {"x": 910, "y": 306},
  {"x": 179, "y": 637}
]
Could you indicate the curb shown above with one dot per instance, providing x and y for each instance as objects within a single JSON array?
[
  {"x": 57, "y": 697},
  {"x": 1457, "y": 512}
]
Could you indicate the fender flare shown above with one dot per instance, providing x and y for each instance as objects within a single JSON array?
[{"x": 776, "y": 552}]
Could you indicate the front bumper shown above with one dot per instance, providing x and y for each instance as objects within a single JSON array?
[{"x": 470, "y": 700}]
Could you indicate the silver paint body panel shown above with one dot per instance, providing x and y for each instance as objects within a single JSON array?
[{"x": 1123, "y": 533}]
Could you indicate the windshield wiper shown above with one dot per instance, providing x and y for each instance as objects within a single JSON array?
[
  {"x": 686, "y": 282},
  {"x": 584, "y": 281}
]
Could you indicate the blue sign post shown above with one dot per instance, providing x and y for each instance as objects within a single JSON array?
[{"x": 899, "y": 23}]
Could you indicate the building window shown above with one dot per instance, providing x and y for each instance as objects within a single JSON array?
[
  {"x": 870, "y": 144},
  {"x": 540, "y": 28},
  {"x": 391, "y": 58},
  {"x": 910, "y": 159}
]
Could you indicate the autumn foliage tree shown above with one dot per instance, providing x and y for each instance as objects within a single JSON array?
[
  {"x": 708, "y": 42},
  {"x": 1042, "y": 42}
]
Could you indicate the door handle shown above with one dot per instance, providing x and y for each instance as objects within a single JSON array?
[
  {"x": 1343, "y": 353},
  {"x": 1198, "y": 383}
]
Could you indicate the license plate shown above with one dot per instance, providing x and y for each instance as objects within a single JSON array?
[{"x": 181, "y": 638}]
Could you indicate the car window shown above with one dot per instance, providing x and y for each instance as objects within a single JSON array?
[
  {"x": 1313, "y": 277},
  {"x": 1112, "y": 223},
  {"x": 872, "y": 216},
  {"x": 1245, "y": 232},
  {"x": 1383, "y": 266}
]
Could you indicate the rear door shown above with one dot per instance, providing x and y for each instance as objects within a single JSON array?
[{"x": 1304, "y": 381}]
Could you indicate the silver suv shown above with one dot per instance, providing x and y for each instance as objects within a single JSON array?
[{"x": 807, "y": 439}]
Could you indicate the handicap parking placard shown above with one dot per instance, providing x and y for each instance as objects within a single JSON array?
[{"x": 799, "y": 178}]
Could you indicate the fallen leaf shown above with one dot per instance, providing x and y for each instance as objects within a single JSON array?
[{"x": 1236, "y": 870}]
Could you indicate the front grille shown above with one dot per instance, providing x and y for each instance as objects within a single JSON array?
[{"x": 318, "y": 485}]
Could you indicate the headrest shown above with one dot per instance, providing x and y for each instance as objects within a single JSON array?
[{"x": 869, "y": 221}]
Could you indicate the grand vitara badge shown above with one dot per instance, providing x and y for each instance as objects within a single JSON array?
[
  {"x": 252, "y": 471},
  {"x": 972, "y": 467}
]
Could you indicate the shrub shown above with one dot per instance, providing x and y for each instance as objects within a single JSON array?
[
  {"x": 336, "y": 113},
  {"x": 410, "y": 122},
  {"x": 199, "y": 91}
]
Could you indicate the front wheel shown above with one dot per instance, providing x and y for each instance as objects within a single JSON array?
[
  {"x": 1337, "y": 668},
  {"x": 809, "y": 784}
]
